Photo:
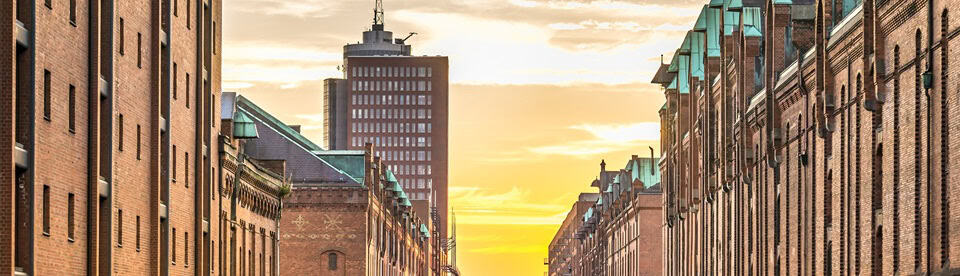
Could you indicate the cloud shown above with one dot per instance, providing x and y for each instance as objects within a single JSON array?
[
  {"x": 514, "y": 207},
  {"x": 605, "y": 138}
]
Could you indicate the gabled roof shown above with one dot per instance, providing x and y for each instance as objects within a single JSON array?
[
  {"x": 244, "y": 103},
  {"x": 644, "y": 169},
  {"x": 278, "y": 141},
  {"x": 662, "y": 76}
]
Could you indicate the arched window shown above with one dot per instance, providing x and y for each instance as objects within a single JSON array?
[{"x": 332, "y": 261}]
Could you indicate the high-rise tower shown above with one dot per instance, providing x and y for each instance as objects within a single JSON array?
[{"x": 398, "y": 102}]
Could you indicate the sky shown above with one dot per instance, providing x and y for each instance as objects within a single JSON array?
[{"x": 541, "y": 91}]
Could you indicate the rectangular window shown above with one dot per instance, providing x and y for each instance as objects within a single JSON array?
[
  {"x": 46, "y": 210},
  {"x": 139, "y": 50},
  {"x": 46, "y": 94},
  {"x": 120, "y": 39},
  {"x": 173, "y": 160},
  {"x": 138, "y": 142},
  {"x": 71, "y": 224},
  {"x": 73, "y": 12},
  {"x": 187, "y": 89},
  {"x": 175, "y": 74},
  {"x": 186, "y": 248},
  {"x": 138, "y": 233},
  {"x": 119, "y": 227},
  {"x": 120, "y": 132},
  {"x": 173, "y": 246},
  {"x": 72, "y": 109},
  {"x": 186, "y": 169},
  {"x": 175, "y": 8},
  {"x": 213, "y": 33}
]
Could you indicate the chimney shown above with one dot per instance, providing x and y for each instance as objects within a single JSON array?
[
  {"x": 653, "y": 163},
  {"x": 603, "y": 165}
]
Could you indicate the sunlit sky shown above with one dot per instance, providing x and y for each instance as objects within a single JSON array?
[{"x": 541, "y": 91}]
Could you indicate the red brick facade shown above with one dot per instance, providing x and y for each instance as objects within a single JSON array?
[
  {"x": 616, "y": 232},
  {"x": 110, "y": 138},
  {"x": 804, "y": 137},
  {"x": 344, "y": 229}
]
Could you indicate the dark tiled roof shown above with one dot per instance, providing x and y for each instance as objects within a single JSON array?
[{"x": 662, "y": 76}]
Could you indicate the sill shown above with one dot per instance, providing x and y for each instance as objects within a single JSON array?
[
  {"x": 46, "y": 234},
  {"x": 119, "y": 245},
  {"x": 47, "y": 118},
  {"x": 73, "y": 23},
  {"x": 138, "y": 249},
  {"x": 71, "y": 240},
  {"x": 72, "y": 131}
]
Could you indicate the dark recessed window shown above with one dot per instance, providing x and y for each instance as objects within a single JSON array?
[
  {"x": 46, "y": 94},
  {"x": 71, "y": 223},
  {"x": 72, "y": 109}
]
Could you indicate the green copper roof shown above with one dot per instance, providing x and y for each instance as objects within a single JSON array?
[
  {"x": 600, "y": 200},
  {"x": 733, "y": 5},
  {"x": 390, "y": 177},
  {"x": 424, "y": 230},
  {"x": 243, "y": 126},
  {"x": 784, "y": 2},
  {"x": 351, "y": 164},
  {"x": 701, "y": 24},
  {"x": 401, "y": 194},
  {"x": 645, "y": 170},
  {"x": 685, "y": 46},
  {"x": 696, "y": 54},
  {"x": 609, "y": 189},
  {"x": 683, "y": 77},
  {"x": 663, "y": 107},
  {"x": 716, "y": 3},
  {"x": 752, "y": 22},
  {"x": 616, "y": 179},
  {"x": 731, "y": 22},
  {"x": 674, "y": 62},
  {"x": 406, "y": 202},
  {"x": 673, "y": 83},
  {"x": 713, "y": 32},
  {"x": 395, "y": 187}
]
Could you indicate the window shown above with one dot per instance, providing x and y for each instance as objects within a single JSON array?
[
  {"x": 46, "y": 210},
  {"x": 73, "y": 12},
  {"x": 175, "y": 80},
  {"x": 72, "y": 109},
  {"x": 46, "y": 94},
  {"x": 173, "y": 246},
  {"x": 174, "y": 164},
  {"x": 188, "y": 14},
  {"x": 139, "y": 50},
  {"x": 138, "y": 142},
  {"x": 213, "y": 34},
  {"x": 332, "y": 261},
  {"x": 48, "y": 4},
  {"x": 138, "y": 233},
  {"x": 119, "y": 227},
  {"x": 120, "y": 132},
  {"x": 187, "y": 89},
  {"x": 186, "y": 169},
  {"x": 120, "y": 29},
  {"x": 70, "y": 217},
  {"x": 186, "y": 248}
]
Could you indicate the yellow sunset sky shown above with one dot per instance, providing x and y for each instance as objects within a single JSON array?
[{"x": 541, "y": 91}]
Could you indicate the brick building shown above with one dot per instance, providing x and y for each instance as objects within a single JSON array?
[
  {"x": 812, "y": 137},
  {"x": 108, "y": 136},
  {"x": 346, "y": 214},
  {"x": 616, "y": 232},
  {"x": 399, "y": 103}
]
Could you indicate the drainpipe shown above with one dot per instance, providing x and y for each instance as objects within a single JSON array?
[{"x": 928, "y": 84}]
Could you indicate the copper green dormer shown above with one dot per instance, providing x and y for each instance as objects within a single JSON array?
[
  {"x": 752, "y": 22},
  {"x": 406, "y": 203},
  {"x": 243, "y": 126}
]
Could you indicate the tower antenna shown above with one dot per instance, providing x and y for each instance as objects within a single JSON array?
[{"x": 378, "y": 14}]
